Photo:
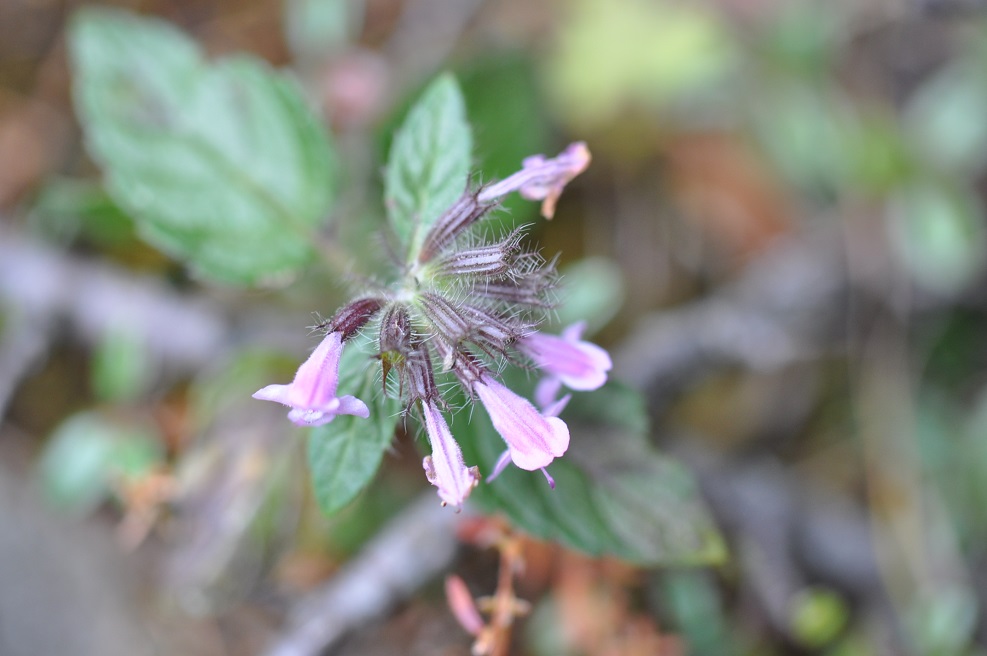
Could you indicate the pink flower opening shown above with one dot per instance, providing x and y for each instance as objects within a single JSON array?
[
  {"x": 533, "y": 440},
  {"x": 543, "y": 178},
  {"x": 566, "y": 360},
  {"x": 312, "y": 394},
  {"x": 445, "y": 468}
]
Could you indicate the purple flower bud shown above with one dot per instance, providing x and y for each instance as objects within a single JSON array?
[
  {"x": 526, "y": 292},
  {"x": 421, "y": 382},
  {"x": 532, "y": 439},
  {"x": 445, "y": 468},
  {"x": 542, "y": 178},
  {"x": 445, "y": 318},
  {"x": 312, "y": 394},
  {"x": 353, "y": 316},
  {"x": 490, "y": 261},
  {"x": 566, "y": 360},
  {"x": 491, "y": 331},
  {"x": 464, "y": 212}
]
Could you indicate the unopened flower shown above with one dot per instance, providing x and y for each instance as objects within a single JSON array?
[
  {"x": 312, "y": 394},
  {"x": 532, "y": 439},
  {"x": 566, "y": 360},
  {"x": 445, "y": 468}
]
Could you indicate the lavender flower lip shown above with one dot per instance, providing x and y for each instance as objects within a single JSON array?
[
  {"x": 312, "y": 394},
  {"x": 445, "y": 468},
  {"x": 466, "y": 304},
  {"x": 534, "y": 440}
]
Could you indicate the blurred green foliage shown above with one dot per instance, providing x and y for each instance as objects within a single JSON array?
[
  {"x": 428, "y": 163},
  {"x": 223, "y": 165},
  {"x": 614, "y": 493},
  {"x": 344, "y": 455},
  {"x": 90, "y": 453}
]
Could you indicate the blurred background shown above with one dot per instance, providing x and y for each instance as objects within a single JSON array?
[{"x": 781, "y": 239}]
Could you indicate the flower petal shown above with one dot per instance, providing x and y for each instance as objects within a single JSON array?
[
  {"x": 534, "y": 440},
  {"x": 312, "y": 394},
  {"x": 445, "y": 468}
]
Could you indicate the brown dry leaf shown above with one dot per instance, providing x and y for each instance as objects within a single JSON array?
[
  {"x": 590, "y": 605},
  {"x": 31, "y": 135},
  {"x": 725, "y": 190}
]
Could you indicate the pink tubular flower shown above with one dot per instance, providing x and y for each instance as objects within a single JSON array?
[
  {"x": 532, "y": 439},
  {"x": 312, "y": 394},
  {"x": 445, "y": 468},
  {"x": 543, "y": 178},
  {"x": 566, "y": 360}
]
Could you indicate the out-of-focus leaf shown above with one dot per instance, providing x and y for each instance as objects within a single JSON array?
[
  {"x": 880, "y": 159},
  {"x": 943, "y": 622},
  {"x": 803, "y": 130},
  {"x": 429, "y": 162},
  {"x": 939, "y": 235},
  {"x": 614, "y": 495},
  {"x": 803, "y": 36},
  {"x": 345, "y": 454},
  {"x": 614, "y": 52},
  {"x": 817, "y": 616},
  {"x": 238, "y": 501},
  {"x": 505, "y": 131},
  {"x": 317, "y": 28},
  {"x": 219, "y": 390},
  {"x": 593, "y": 292},
  {"x": 697, "y": 610},
  {"x": 67, "y": 207},
  {"x": 87, "y": 453},
  {"x": 947, "y": 117},
  {"x": 223, "y": 165},
  {"x": 121, "y": 368}
]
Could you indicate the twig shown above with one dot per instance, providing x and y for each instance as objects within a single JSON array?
[
  {"x": 100, "y": 301},
  {"x": 23, "y": 342},
  {"x": 782, "y": 311},
  {"x": 411, "y": 550}
]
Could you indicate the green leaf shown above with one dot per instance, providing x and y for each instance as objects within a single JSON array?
[
  {"x": 804, "y": 129},
  {"x": 315, "y": 29},
  {"x": 429, "y": 162},
  {"x": 609, "y": 55},
  {"x": 615, "y": 495},
  {"x": 817, "y": 616},
  {"x": 223, "y": 165},
  {"x": 939, "y": 235},
  {"x": 346, "y": 453},
  {"x": 945, "y": 117},
  {"x": 86, "y": 453},
  {"x": 66, "y": 208},
  {"x": 593, "y": 291},
  {"x": 507, "y": 132},
  {"x": 121, "y": 367}
]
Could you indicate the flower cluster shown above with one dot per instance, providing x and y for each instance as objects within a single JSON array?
[{"x": 462, "y": 305}]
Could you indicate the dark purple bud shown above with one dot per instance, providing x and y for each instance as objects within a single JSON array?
[
  {"x": 464, "y": 212},
  {"x": 421, "y": 381},
  {"x": 395, "y": 330},
  {"x": 445, "y": 318},
  {"x": 352, "y": 317},
  {"x": 528, "y": 291},
  {"x": 492, "y": 329},
  {"x": 493, "y": 261}
]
